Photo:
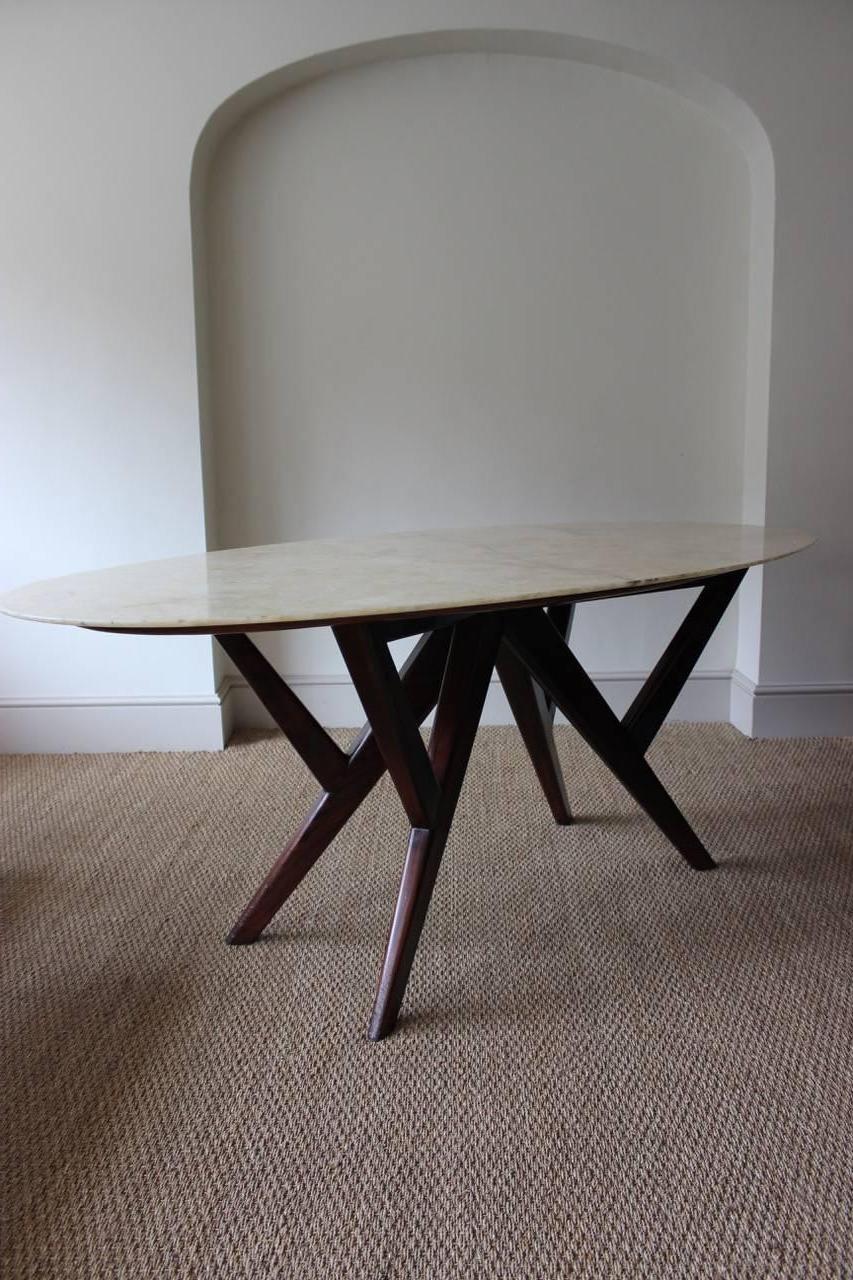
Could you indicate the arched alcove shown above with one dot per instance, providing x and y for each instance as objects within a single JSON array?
[{"x": 512, "y": 278}]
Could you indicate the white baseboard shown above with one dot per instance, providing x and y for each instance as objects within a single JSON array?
[
  {"x": 204, "y": 722},
  {"x": 791, "y": 710},
  {"x": 192, "y": 722},
  {"x": 332, "y": 699},
  {"x": 765, "y": 711},
  {"x": 742, "y": 703}
]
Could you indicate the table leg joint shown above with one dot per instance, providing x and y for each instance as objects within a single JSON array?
[
  {"x": 471, "y": 660},
  {"x": 537, "y": 643},
  {"x": 378, "y": 685},
  {"x": 420, "y": 676},
  {"x": 306, "y": 735}
]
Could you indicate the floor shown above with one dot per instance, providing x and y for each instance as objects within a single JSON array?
[{"x": 607, "y": 1065}]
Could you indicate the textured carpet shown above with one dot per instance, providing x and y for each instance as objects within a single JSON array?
[{"x": 607, "y": 1065}]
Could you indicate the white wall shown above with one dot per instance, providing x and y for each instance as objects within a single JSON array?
[
  {"x": 452, "y": 289},
  {"x": 101, "y": 110}
]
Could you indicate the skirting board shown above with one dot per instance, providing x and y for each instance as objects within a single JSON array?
[
  {"x": 202, "y": 722},
  {"x": 194, "y": 722},
  {"x": 790, "y": 710},
  {"x": 771, "y": 711},
  {"x": 332, "y": 699}
]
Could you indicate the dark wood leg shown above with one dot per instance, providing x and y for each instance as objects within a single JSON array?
[
  {"x": 653, "y": 703},
  {"x": 562, "y": 616},
  {"x": 416, "y": 626},
  {"x": 421, "y": 679},
  {"x": 331, "y": 812},
  {"x": 536, "y": 642},
  {"x": 307, "y": 736},
  {"x": 533, "y": 711},
  {"x": 469, "y": 667},
  {"x": 383, "y": 697}
]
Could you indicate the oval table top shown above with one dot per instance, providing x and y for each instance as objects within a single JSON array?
[{"x": 396, "y": 576}]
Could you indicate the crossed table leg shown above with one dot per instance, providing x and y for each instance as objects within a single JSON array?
[{"x": 449, "y": 670}]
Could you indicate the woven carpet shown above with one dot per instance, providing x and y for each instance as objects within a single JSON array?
[{"x": 607, "y": 1065}]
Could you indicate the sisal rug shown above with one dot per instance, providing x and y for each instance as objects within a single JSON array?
[{"x": 607, "y": 1065}]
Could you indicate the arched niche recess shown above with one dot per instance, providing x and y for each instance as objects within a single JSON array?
[{"x": 484, "y": 276}]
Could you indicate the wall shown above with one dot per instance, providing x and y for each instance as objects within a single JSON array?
[
  {"x": 450, "y": 289},
  {"x": 102, "y": 109}
]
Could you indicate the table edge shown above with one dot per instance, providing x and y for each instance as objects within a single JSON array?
[{"x": 640, "y": 587}]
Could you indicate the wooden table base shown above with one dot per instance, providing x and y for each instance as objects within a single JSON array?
[{"x": 449, "y": 670}]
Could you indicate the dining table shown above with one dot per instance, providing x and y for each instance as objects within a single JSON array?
[{"x": 476, "y": 601}]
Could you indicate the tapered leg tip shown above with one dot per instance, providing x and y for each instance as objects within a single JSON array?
[
  {"x": 240, "y": 938},
  {"x": 379, "y": 1027}
]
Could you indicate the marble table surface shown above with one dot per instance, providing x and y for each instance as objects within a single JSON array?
[{"x": 395, "y": 575}]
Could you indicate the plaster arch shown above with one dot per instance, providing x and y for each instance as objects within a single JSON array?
[{"x": 728, "y": 111}]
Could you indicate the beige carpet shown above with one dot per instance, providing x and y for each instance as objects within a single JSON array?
[{"x": 608, "y": 1065}]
